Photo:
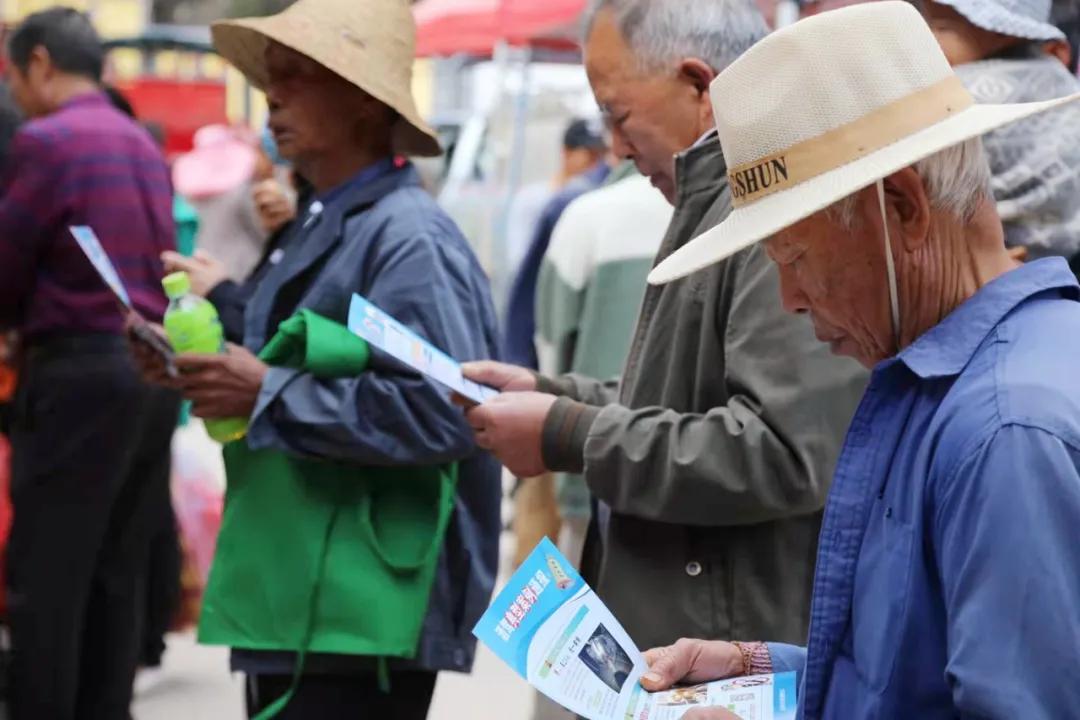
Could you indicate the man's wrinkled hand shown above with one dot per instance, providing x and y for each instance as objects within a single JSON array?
[
  {"x": 691, "y": 661},
  {"x": 511, "y": 427},
  {"x": 222, "y": 386},
  {"x": 501, "y": 376}
]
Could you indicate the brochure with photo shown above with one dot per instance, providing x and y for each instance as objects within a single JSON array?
[
  {"x": 554, "y": 631},
  {"x": 387, "y": 334}
]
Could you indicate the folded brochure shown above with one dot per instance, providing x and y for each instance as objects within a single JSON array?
[
  {"x": 95, "y": 253},
  {"x": 554, "y": 631},
  {"x": 88, "y": 240},
  {"x": 404, "y": 345}
]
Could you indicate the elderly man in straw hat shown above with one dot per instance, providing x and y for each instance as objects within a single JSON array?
[
  {"x": 337, "y": 78},
  {"x": 948, "y": 572}
]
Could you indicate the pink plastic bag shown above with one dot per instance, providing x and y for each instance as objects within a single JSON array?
[{"x": 198, "y": 495}]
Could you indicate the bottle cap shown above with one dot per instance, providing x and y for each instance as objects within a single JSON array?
[{"x": 176, "y": 285}]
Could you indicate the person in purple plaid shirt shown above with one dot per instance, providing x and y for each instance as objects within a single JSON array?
[{"x": 90, "y": 441}]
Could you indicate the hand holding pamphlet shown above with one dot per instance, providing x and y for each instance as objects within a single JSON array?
[
  {"x": 387, "y": 334},
  {"x": 551, "y": 628}
]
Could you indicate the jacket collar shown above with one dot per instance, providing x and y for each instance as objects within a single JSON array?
[
  {"x": 700, "y": 167},
  {"x": 317, "y": 233},
  {"x": 365, "y": 177},
  {"x": 947, "y": 348},
  {"x": 368, "y": 187}
]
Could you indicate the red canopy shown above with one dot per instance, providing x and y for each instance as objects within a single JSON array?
[{"x": 446, "y": 27}]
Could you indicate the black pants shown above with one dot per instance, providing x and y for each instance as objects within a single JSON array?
[
  {"x": 90, "y": 455},
  {"x": 164, "y": 565},
  {"x": 345, "y": 697}
]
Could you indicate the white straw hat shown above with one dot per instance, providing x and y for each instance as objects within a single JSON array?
[
  {"x": 826, "y": 107},
  {"x": 370, "y": 43}
]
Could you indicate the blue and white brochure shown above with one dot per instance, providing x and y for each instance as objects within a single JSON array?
[
  {"x": 404, "y": 345},
  {"x": 554, "y": 631},
  {"x": 91, "y": 246}
]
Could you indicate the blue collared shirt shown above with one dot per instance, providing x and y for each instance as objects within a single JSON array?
[{"x": 948, "y": 572}]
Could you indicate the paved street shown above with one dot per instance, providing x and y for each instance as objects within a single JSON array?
[{"x": 196, "y": 685}]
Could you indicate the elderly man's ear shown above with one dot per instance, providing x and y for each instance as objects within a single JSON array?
[
  {"x": 697, "y": 73},
  {"x": 698, "y": 76},
  {"x": 908, "y": 208}
]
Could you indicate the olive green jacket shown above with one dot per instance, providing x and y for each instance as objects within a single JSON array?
[{"x": 712, "y": 457}]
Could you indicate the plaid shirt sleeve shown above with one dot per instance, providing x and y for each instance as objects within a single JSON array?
[{"x": 28, "y": 195}]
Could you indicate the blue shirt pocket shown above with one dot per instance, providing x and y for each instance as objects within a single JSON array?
[{"x": 880, "y": 604}]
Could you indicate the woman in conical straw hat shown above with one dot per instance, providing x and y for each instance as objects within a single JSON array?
[
  {"x": 347, "y": 623},
  {"x": 948, "y": 572}
]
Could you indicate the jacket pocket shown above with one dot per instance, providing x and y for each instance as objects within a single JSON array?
[{"x": 880, "y": 603}]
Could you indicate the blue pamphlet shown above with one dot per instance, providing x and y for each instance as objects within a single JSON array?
[
  {"x": 553, "y": 630},
  {"x": 91, "y": 246},
  {"x": 404, "y": 345}
]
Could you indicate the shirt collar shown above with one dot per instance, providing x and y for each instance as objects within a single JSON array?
[
  {"x": 93, "y": 97},
  {"x": 701, "y": 167},
  {"x": 365, "y": 188},
  {"x": 365, "y": 177},
  {"x": 704, "y": 138},
  {"x": 948, "y": 347}
]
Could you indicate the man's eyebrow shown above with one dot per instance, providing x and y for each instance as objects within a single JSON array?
[{"x": 778, "y": 249}]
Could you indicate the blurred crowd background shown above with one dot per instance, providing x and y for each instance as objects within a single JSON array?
[{"x": 501, "y": 81}]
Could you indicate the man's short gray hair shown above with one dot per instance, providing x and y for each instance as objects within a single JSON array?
[
  {"x": 957, "y": 180},
  {"x": 662, "y": 32}
]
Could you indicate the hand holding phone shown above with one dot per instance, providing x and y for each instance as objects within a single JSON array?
[{"x": 153, "y": 354}]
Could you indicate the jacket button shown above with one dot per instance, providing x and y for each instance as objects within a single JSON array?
[
  {"x": 693, "y": 569},
  {"x": 460, "y": 659}
]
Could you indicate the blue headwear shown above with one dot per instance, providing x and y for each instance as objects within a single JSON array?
[{"x": 270, "y": 147}]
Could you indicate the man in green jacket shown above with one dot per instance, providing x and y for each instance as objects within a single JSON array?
[{"x": 712, "y": 457}]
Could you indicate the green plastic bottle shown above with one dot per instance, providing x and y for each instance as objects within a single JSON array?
[{"x": 192, "y": 325}]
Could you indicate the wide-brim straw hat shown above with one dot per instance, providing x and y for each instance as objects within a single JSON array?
[
  {"x": 828, "y": 106},
  {"x": 1027, "y": 19},
  {"x": 370, "y": 43}
]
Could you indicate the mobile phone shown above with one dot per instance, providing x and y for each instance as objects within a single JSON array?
[{"x": 144, "y": 334}]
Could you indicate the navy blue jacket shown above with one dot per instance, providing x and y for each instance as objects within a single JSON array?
[
  {"x": 387, "y": 240},
  {"x": 519, "y": 346}
]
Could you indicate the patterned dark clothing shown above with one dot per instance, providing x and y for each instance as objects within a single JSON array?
[
  {"x": 1035, "y": 162},
  {"x": 86, "y": 164}
]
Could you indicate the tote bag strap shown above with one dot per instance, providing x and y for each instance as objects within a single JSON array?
[
  {"x": 402, "y": 564},
  {"x": 272, "y": 710}
]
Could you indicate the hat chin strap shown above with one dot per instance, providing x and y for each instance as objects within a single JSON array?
[{"x": 890, "y": 267}]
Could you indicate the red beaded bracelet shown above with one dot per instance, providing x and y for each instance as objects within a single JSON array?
[{"x": 755, "y": 658}]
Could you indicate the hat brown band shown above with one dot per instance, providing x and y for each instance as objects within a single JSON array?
[{"x": 752, "y": 181}]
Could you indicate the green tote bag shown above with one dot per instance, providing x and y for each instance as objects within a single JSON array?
[{"x": 321, "y": 556}]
